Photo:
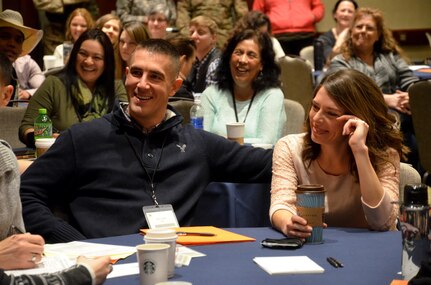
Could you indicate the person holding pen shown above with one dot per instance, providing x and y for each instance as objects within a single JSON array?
[{"x": 20, "y": 250}]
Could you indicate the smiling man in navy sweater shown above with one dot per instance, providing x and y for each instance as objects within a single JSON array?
[{"x": 103, "y": 172}]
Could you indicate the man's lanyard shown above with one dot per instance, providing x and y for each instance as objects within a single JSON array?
[{"x": 150, "y": 177}]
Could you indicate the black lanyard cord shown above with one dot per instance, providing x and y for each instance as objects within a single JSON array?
[
  {"x": 248, "y": 109},
  {"x": 150, "y": 177}
]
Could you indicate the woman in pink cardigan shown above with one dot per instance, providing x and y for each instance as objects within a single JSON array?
[{"x": 352, "y": 148}]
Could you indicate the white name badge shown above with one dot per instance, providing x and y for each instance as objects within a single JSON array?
[{"x": 161, "y": 216}]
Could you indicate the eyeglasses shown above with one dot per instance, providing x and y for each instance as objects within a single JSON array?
[{"x": 157, "y": 20}]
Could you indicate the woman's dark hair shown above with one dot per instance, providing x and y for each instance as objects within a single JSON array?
[
  {"x": 268, "y": 77},
  {"x": 358, "y": 95},
  {"x": 106, "y": 80},
  {"x": 339, "y": 2},
  {"x": 253, "y": 20},
  {"x": 5, "y": 70},
  {"x": 185, "y": 46}
]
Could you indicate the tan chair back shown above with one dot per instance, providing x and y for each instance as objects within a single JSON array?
[
  {"x": 10, "y": 120},
  {"x": 183, "y": 107},
  {"x": 307, "y": 53},
  {"x": 408, "y": 175},
  {"x": 297, "y": 80},
  {"x": 295, "y": 116}
]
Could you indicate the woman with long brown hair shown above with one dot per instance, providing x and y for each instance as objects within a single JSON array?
[{"x": 352, "y": 148}]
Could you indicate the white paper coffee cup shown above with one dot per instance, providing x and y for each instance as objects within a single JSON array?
[
  {"x": 152, "y": 261},
  {"x": 42, "y": 145},
  {"x": 49, "y": 61},
  {"x": 235, "y": 132},
  {"x": 165, "y": 236},
  {"x": 263, "y": 145}
]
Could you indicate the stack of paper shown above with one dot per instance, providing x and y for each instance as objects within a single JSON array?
[{"x": 288, "y": 265}]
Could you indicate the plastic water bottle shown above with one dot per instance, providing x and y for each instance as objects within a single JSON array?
[
  {"x": 42, "y": 125},
  {"x": 197, "y": 113},
  {"x": 415, "y": 229},
  {"x": 319, "y": 59}
]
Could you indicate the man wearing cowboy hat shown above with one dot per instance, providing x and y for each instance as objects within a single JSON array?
[{"x": 16, "y": 41}]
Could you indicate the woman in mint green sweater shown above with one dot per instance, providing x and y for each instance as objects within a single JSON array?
[{"x": 247, "y": 90}]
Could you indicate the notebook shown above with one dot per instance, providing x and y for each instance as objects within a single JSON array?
[{"x": 288, "y": 265}]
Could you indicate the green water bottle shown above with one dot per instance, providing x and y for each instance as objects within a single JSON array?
[{"x": 42, "y": 125}]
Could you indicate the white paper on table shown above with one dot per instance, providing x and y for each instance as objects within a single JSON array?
[
  {"x": 417, "y": 67},
  {"x": 48, "y": 264},
  {"x": 288, "y": 265},
  {"x": 184, "y": 255},
  {"x": 119, "y": 270},
  {"x": 76, "y": 248},
  {"x": 60, "y": 256}
]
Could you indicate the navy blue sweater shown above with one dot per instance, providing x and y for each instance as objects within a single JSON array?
[{"x": 98, "y": 173}]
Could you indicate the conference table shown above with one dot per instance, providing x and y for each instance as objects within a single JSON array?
[{"x": 369, "y": 257}]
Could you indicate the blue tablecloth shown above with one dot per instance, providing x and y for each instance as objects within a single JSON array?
[
  {"x": 368, "y": 257},
  {"x": 422, "y": 75},
  {"x": 234, "y": 205}
]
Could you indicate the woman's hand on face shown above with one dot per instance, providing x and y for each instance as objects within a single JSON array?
[
  {"x": 357, "y": 131},
  {"x": 342, "y": 37},
  {"x": 399, "y": 101}
]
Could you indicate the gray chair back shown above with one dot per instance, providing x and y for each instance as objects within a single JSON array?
[
  {"x": 295, "y": 115},
  {"x": 10, "y": 120}
]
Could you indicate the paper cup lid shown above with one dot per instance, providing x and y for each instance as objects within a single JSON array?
[
  {"x": 310, "y": 188},
  {"x": 44, "y": 142},
  {"x": 152, "y": 246},
  {"x": 161, "y": 234}
]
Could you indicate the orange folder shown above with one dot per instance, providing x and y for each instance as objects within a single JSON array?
[
  {"x": 399, "y": 282},
  {"x": 220, "y": 236}
]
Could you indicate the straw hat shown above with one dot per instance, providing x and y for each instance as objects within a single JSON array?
[{"x": 13, "y": 19}]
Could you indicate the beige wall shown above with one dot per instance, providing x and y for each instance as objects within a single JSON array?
[{"x": 399, "y": 15}]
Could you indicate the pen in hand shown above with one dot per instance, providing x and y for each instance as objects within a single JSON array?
[
  {"x": 335, "y": 263},
  {"x": 14, "y": 230}
]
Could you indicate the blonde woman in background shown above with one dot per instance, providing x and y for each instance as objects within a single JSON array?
[
  {"x": 78, "y": 22},
  {"x": 203, "y": 30},
  {"x": 111, "y": 25},
  {"x": 130, "y": 36}
]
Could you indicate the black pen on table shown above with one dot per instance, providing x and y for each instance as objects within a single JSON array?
[{"x": 335, "y": 263}]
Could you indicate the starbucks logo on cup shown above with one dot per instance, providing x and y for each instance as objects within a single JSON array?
[{"x": 149, "y": 267}]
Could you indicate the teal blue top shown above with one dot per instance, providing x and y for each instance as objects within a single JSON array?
[{"x": 265, "y": 120}]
